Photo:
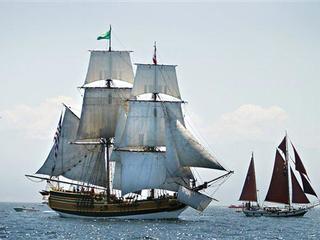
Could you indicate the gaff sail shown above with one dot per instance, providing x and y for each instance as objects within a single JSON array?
[
  {"x": 249, "y": 190},
  {"x": 279, "y": 185}
]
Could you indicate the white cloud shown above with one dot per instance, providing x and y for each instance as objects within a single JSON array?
[
  {"x": 248, "y": 122},
  {"x": 35, "y": 121}
]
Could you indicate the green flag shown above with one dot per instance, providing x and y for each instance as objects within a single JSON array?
[{"x": 105, "y": 35}]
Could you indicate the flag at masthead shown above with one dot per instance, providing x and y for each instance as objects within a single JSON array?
[{"x": 106, "y": 36}]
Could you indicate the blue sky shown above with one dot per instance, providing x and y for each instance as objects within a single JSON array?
[{"x": 249, "y": 71}]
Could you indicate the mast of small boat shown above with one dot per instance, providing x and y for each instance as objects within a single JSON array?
[
  {"x": 287, "y": 158},
  {"x": 257, "y": 190}
]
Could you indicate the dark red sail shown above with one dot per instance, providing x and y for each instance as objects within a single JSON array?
[
  {"x": 249, "y": 190},
  {"x": 303, "y": 173},
  {"x": 283, "y": 145},
  {"x": 279, "y": 185},
  {"x": 298, "y": 195},
  {"x": 299, "y": 165},
  {"x": 307, "y": 186}
]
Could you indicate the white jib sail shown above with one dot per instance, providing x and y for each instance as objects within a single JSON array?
[
  {"x": 156, "y": 79},
  {"x": 115, "y": 65},
  {"x": 193, "y": 199}
]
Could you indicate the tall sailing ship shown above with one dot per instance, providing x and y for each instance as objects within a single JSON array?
[
  {"x": 130, "y": 154},
  {"x": 284, "y": 187}
]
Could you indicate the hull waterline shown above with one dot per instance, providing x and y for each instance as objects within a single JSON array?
[
  {"x": 282, "y": 213},
  {"x": 147, "y": 216},
  {"x": 83, "y": 205}
]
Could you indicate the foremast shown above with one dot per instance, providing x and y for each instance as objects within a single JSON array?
[{"x": 102, "y": 104}]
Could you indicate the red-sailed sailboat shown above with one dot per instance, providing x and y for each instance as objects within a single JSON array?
[{"x": 284, "y": 187}]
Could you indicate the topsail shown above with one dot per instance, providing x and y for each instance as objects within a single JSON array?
[
  {"x": 152, "y": 78},
  {"x": 114, "y": 65},
  {"x": 100, "y": 110}
]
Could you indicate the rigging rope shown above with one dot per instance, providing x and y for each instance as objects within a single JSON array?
[{"x": 223, "y": 180}]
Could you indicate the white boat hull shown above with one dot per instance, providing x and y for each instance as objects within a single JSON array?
[
  {"x": 281, "y": 213},
  {"x": 150, "y": 216}
]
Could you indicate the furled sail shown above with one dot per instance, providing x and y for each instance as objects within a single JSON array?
[
  {"x": 190, "y": 152},
  {"x": 140, "y": 170},
  {"x": 76, "y": 162},
  {"x": 151, "y": 78},
  {"x": 100, "y": 111},
  {"x": 298, "y": 195},
  {"x": 279, "y": 185},
  {"x": 145, "y": 124},
  {"x": 114, "y": 65},
  {"x": 193, "y": 199},
  {"x": 249, "y": 190}
]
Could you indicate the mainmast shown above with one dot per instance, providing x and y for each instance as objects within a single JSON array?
[
  {"x": 154, "y": 97},
  {"x": 156, "y": 145},
  {"x": 287, "y": 158},
  {"x": 155, "y": 62}
]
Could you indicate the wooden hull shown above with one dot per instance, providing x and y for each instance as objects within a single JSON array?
[
  {"x": 68, "y": 204},
  {"x": 279, "y": 213}
]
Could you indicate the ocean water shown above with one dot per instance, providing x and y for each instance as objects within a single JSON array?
[{"x": 214, "y": 223}]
